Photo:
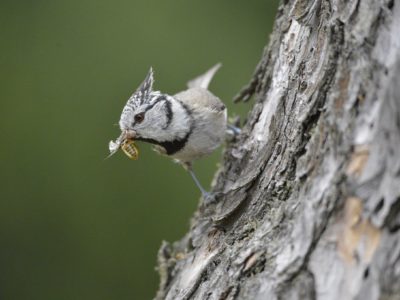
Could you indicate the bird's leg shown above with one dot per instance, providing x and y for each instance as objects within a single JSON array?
[
  {"x": 232, "y": 132},
  {"x": 204, "y": 193},
  {"x": 207, "y": 196}
]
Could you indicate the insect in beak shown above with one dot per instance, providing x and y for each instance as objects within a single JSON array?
[
  {"x": 130, "y": 149},
  {"x": 126, "y": 143}
]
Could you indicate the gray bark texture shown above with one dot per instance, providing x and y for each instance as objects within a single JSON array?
[{"x": 308, "y": 195}]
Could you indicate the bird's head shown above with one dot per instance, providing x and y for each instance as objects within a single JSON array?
[{"x": 147, "y": 114}]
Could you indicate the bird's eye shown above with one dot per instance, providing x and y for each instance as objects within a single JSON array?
[{"x": 139, "y": 118}]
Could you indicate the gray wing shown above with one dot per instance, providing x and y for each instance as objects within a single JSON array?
[
  {"x": 200, "y": 98},
  {"x": 204, "y": 80}
]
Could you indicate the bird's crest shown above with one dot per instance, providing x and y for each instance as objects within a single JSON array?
[{"x": 142, "y": 93}]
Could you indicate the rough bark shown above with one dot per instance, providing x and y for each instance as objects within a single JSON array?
[{"x": 309, "y": 193}]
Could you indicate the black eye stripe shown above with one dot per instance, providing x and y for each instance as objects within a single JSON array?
[
  {"x": 168, "y": 111},
  {"x": 160, "y": 99},
  {"x": 156, "y": 101}
]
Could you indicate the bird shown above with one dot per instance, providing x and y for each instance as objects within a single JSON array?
[{"x": 185, "y": 127}]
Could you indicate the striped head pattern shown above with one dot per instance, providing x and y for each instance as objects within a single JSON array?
[{"x": 153, "y": 116}]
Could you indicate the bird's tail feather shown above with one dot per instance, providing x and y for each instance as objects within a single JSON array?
[{"x": 204, "y": 80}]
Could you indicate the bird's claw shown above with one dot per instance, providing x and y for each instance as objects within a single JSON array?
[{"x": 210, "y": 198}]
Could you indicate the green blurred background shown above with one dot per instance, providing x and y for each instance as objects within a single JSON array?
[{"x": 73, "y": 225}]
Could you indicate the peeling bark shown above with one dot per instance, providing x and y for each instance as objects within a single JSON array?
[{"x": 309, "y": 194}]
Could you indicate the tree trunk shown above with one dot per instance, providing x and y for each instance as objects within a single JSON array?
[{"x": 308, "y": 202}]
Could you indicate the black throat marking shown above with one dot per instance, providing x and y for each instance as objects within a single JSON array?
[{"x": 174, "y": 146}]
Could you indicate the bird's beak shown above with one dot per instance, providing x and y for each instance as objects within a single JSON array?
[{"x": 130, "y": 134}]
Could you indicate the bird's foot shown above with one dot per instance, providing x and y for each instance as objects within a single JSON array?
[
  {"x": 210, "y": 198},
  {"x": 234, "y": 130}
]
